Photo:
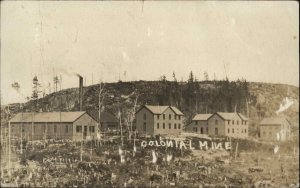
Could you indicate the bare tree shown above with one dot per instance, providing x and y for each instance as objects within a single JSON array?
[
  {"x": 101, "y": 98},
  {"x": 130, "y": 117}
]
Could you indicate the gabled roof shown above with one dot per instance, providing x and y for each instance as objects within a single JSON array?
[
  {"x": 105, "y": 117},
  {"x": 243, "y": 117},
  {"x": 161, "y": 109},
  {"x": 47, "y": 116},
  {"x": 157, "y": 109},
  {"x": 273, "y": 121},
  {"x": 201, "y": 117},
  {"x": 230, "y": 115},
  {"x": 176, "y": 110}
]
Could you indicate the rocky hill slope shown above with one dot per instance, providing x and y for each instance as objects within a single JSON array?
[{"x": 257, "y": 100}]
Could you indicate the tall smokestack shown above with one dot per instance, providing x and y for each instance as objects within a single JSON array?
[{"x": 80, "y": 92}]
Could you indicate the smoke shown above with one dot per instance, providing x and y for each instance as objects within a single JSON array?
[
  {"x": 67, "y": 73},
  {"x": 286, "y": 103}
]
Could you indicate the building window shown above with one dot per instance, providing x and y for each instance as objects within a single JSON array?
[
  {"x": 92, "y": 129},
  {"x": 175, "y": 127},
  {"x": 145, "y": 116},
  {"x": 242, "y": 122},
  {"x": 157, "y": 125},
  {"x": 179, "y": 117},
  {"x": 170, "y": 116},
  {"x": 232, "y": 131},
  {"x": 232, "y": 122},
  {"x": 78, "y": 128},
  {"x": 175, "y": 116},
  {"x": 245, "y": 130},
  {"x": 216, "y": 131},
  {"x": 245, "y": 122},
  {"x": 237, "y": 122},
  {"x": 164, "y": 116},
  {"x": 228, "y": 130},
  {"x": 207, "y": 130},
  {"x": 54, "y": 128},
  {"x": 66, "y": 128},
  {"x": 179, "y": 126},
  {"x": 169, "y": 125},
  {"x": 144, "y": 126},
  {"x": 195, "y": 129},
  {"x": 196, "y": 122},
  {"x": 164, "y": 126},
  {"x": 216, "y": 122},
  {"x": 201, "y": 130},
  {"x": 228, "y": 122}
]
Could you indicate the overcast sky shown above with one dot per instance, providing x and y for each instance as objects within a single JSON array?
[{"x": 255, "y": 40}]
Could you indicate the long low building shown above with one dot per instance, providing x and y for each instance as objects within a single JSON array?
[{"x": 53, "y": 125}]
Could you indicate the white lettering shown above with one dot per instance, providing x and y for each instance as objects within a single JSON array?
[
  {"x": 218, "y": 146},
  {"x": 143, "y": 144},
  {"x": 169, "y": 143},
  {"x": 162, "y": 143},
  {"x": 190, "y": 144},
  {"x": 201, "y": 144},
  {"x": 227, "y": 146},
  {"x": 182, "y": 144},
  {"x": 151, "y": 143}
]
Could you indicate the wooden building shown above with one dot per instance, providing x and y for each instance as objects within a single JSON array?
[
  {"x": 108, "y": 121},
  {"x": 53, "y": 125},
  {"x": 199, "y": 124},
  {"x": 159, "y": 120},
  {"x": 275, "y": 129},
  {"x": 220, "y": 124}
]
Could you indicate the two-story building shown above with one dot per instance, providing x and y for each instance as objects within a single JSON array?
[
  {"x": 275, "y": 129},
  {"x": 228, "y": 124},
  {"x": 199, "y": 124},
  {"x": 53, "y": 125},
  {"x": 220, "y": 124},
  {"x": 159, "y": 120}
]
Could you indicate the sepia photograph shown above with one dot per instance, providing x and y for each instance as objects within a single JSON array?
[{"x": 149, "y": 94}]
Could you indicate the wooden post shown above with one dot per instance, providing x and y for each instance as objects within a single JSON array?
[
  {"x": 236, "y": 150},
  {"x": 9, "y": 150},
  {"x": 81, "y": 146}
]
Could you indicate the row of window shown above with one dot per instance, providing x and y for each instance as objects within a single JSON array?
[
  {"x": 195, "y": 129},
  {"x": 170, "y": 126},
  {"x": 79, "y": 129},
  {"x": 44, "y": 128},
  {"x": 237, "y": 130},
  {"x": 232, "y": 122},
  {"x": 164, "y": 116}
]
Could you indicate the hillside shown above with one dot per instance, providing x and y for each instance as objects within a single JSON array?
[{"x": 257, "y": 100}]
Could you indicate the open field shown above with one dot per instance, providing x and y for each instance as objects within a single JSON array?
[{"x": 59, "y": 164}]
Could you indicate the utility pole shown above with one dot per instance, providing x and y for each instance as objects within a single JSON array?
[
  {"x": 121, "y": 127},
  {"x": 81, "y": 145},
  {"x": 9, "y": 145},
  {"x": 100, "y": 106}
]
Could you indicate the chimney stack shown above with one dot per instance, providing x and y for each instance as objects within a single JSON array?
[{"x": 80, "y": 92}]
